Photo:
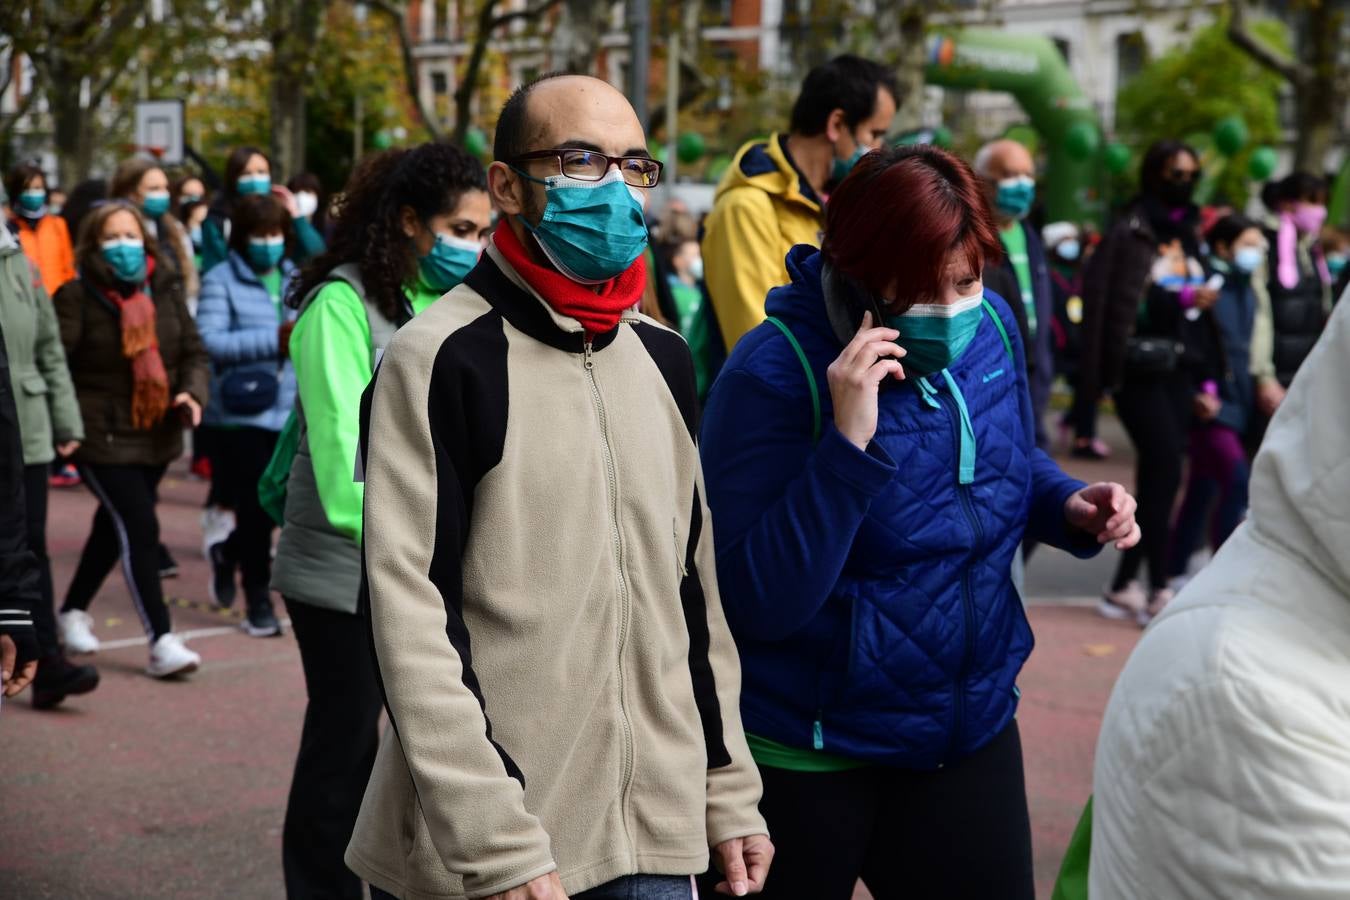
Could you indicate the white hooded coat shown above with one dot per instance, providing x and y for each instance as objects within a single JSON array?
[{"x": 1223, "y": 766}]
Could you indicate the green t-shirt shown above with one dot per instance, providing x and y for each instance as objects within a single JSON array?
[
  {"x": 1015, "y": 242},
  {"x": 693, "y": 324},
  {"x": 796, "y": 759},
  {"x": 272, "y": 281}
]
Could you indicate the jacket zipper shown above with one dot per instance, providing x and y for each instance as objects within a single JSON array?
[
  {"x": 624, "y": 610},
  {"x": 967, "y": 600}
]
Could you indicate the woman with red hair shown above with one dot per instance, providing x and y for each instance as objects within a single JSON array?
[{"x": 870, "y": 457}]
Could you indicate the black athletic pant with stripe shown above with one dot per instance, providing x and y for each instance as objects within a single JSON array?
[
  {"x": 126, "y": 531},
  {"x": 44, "y": 613}
]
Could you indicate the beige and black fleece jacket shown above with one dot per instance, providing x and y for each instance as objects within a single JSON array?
[{"x": 562, "y": 687}]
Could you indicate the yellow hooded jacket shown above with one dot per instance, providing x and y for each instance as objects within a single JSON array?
[{"x": 762, "y": 209}]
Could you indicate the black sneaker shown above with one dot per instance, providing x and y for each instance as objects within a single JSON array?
[
  {"x": 168, "y": 566},
  {"x": 222, "y": 576},
  {"x": 261, "y": 621},
  {"x": 59, "y": 678}
]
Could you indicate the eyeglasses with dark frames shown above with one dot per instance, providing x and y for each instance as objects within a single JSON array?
[{"x": 589, "y": 165}]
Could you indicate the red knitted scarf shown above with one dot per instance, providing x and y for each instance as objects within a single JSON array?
[
  {"x": 140, "y": 344},
  {"x": 597, "y": 307}
]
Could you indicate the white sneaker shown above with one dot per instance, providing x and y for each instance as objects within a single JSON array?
[
  {"x": 1157, "y": 602},
  {"x": 170, "y": 656},
  {"x": 217, "y": 525},
  {"x": 1127, "y": 603},
  {"x": 77, "y": 632}
]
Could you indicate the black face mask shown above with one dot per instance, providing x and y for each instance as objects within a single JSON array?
[{"x": 1176, "y": 193}]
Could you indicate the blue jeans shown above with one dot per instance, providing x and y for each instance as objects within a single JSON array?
[{"x": 629, "y": 887}]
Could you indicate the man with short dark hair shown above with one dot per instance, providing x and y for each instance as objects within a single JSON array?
[
  {"x": 773, "y": 194},
  {"x": 533, "y": 492}
]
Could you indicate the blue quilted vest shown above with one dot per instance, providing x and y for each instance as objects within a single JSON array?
[{"x": 913, "y": 660}]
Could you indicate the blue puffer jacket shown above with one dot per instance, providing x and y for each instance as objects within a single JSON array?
[
  {"x": 238, "y": 322},
  {"x": 870, "y": 593}
]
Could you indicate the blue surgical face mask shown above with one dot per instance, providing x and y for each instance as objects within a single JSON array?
[
  {"x": 696, "y": 268},
  {"x": 935, "y": 335},
  {"x": 254, "y": 184},
  {"x": 32, "y": 201},
  {"x": 188, "y": 199},
  {"x": 196, "y": 234},
  {"x": 1015, "y": 196},
  {"x": 448, "y": 262},
  {"x": 842, "y": 167},
  {"x": 155, "y": 204},
  {"x": 591, "y": 231},
  {"x": 126, "y": 256},
  {"x": 1336, "y": 264},
  {"x": 265, "y": 253},
  {"x": 1068, "y": 250},
  {"x": 1248, "y": 259}
]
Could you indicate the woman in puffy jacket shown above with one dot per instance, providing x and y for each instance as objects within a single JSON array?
[
  {"x": 245, "y": 326},
  {"x": 870, "y": 456}
]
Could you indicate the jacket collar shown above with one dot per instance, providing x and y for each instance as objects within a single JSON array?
[{"x": 505, "y": 291}]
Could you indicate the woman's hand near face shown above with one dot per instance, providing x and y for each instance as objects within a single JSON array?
[{"x": 856, "y": 376}]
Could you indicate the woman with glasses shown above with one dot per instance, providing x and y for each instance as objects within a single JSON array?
[
  {"x": 1145, "y": 331},
  {"x": 410, "y": 226}
]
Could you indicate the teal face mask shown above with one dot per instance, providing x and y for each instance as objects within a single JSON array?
[
  {"x": 265, "y": 253},
  {"x": 934, "y": 336},
  {"x": 1015, "y": 196},
  {"x": 32, "y": 201},
  {"x": 155, "y": 204},
  {"x": 448, "y": 262},
  {"x": 591, "y": 230},
  {"x": 254, "y": 184},
  {"x": 843, "y": 166},
  {"x": 1336, "y": 264},
  {"x": 126, "y": 256}
]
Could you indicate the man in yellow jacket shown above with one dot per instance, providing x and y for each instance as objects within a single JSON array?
[{"x": 773, "y": 194}]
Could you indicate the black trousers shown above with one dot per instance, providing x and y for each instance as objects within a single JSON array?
[
  {"x": 125, "y": 529},
  {"x": 44, "y": 614},
  {"x": 240, "y": 456},
  {"x": 337, "y": 752},
  {"x": 1156, "y": 413},
  {"x": 961, "y": 832}
]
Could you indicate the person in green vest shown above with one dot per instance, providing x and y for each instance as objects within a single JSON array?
[
  {"x": 411, "y": 224},
  {"x": 693, "y": 315}
]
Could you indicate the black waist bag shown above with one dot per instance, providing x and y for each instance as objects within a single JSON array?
[{"x": 248, "y": 392}]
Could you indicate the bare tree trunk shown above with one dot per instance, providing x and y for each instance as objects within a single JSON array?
[
  {"x": 1320, "y": 82},
  {"x": 295, "y": 34},
  {"x": 694, "y": 81},
  {"x": 576, "y": 37},
  {"x": 70, "y": 126},
  {"x": 488, "y": 23}
]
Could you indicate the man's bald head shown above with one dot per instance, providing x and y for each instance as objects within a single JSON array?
[
  {"x": 555, "y": 108},
  {"x": 1004, "y": 158}
]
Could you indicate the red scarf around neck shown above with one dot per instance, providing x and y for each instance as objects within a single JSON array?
[
  {"x": 597, "y": 307},
  {"x": 140, "y": 344}
]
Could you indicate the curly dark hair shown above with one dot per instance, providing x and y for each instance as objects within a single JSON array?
[{"x": 429, "y": 179}]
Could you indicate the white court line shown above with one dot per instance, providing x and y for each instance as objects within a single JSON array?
[{"x": 185, "y": 635}]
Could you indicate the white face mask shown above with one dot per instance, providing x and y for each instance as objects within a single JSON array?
[{"x": 306, "y": 204}]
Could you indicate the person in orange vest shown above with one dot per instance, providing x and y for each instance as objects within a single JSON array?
[{"x": 43, "y": 235}]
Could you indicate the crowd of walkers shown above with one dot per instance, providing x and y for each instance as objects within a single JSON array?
[{"x": 496, "y": 456}]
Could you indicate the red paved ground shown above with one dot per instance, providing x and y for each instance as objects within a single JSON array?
[{"x": 147, "y": 789}]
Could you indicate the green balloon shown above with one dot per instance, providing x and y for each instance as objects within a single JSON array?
[
  {"x": 475, "y": 141},
  {"x": 1262, "y": 163},
  {"x": 717, "y": 166},
  {"x": 381, "y": 140},
  {"x": 658, "y": 152},
  {"x": 942, "y": 137},
  {"x": 1117, "y": 158},
  {"x": 1081, "y": 140},
  {"x": 1230, "y": 134},
  {"x": 689, "y": 147},
  {"x": 1026, "y": 136}
]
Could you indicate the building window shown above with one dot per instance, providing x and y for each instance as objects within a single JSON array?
[
  {"x": 440, "y": 84},
  {"x": 1131, "y": 54},
  {"x": 1062, "y": 45}
]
